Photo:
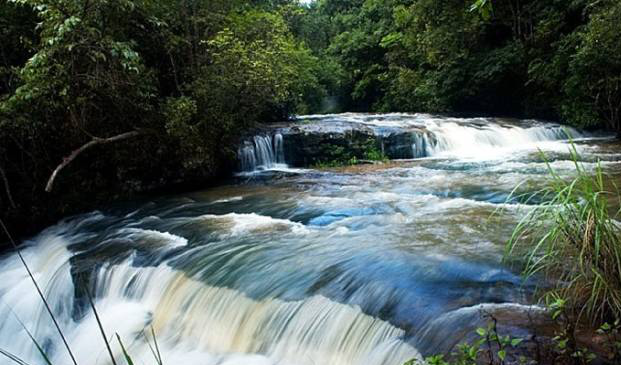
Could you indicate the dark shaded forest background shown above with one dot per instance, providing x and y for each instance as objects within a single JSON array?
[{"x": 159, "y": 92}]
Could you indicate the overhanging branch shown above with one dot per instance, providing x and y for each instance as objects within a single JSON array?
[
  {"x": 95, "y": 141},
  {"x": 7, "y": 188}
]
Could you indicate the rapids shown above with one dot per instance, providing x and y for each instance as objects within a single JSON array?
[{"x": 360, "y": 265}]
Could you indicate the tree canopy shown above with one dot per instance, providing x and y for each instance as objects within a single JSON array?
[
  {"x": 552, "y": 59},
  {"x": 167, "y": 86}
]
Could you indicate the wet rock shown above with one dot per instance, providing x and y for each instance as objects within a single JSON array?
[
  {"x": 398, "y": 145},
  {"x": 304, "y": 148},
  {"x": 307, "y": 144},
  {"x": 530, "y": 323},
  {"x": 338, "y": 138}
]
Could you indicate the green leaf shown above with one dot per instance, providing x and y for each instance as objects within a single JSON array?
[
  {"x": 481, "y": 331},
  {"x": 516, "y": 341},
  {"x": 501, "y": 354},
  {"x": 473, "y": 352}
]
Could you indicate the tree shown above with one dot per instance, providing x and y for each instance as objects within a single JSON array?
[
  {"x": 85, "y": 76},
  {"x": 253, "y": 70},
  {"x": 123, "y": 96},
  {"x": 592, "y": 90}
]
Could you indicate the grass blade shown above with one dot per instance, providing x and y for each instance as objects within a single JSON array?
[
  {"x": 127, "y": 357},
  {"x": 45, "y": 302},
  {"x": 12, "y": 357},
  {"x": 101, "y": 327}
]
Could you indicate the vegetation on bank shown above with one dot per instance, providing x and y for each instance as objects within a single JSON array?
[
  {"x": 572, "y": 240},
  {"x": 338, "y": 156},
  {"x": 495, "y": 348}
]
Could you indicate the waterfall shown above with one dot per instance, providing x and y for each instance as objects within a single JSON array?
[
  {"x": 262, "y": 153},
  {"x": 278, "y": 148},
  {"x": 194, "y": 322},
  {"x": 421, "y": 145},
  {"x": 400, "y": 136},
  {"x": 463, "y": 139},
  {"x": 424, "y": 135},
  {"x": 49, "y": 262}
]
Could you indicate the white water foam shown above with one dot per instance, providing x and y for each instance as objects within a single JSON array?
[
  {"x": 262, "y": 153},
  {"x": 194, "y": 322},
  {"x": 473, "y": 138},
  {"x": 236, "y": 224},
  {"x": 153, "y": 236}
]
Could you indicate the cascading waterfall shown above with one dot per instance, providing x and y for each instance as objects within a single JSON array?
[
  {"x": 402, "y": 136},
  {"x": 468, "y": 140},
  {"x": 194, "y": 322},
  {"x": 262, "y": 153},
  {"x": 423, "y": 145},
  {"x": 484, "y": 139},
  {"x": 49, "y": 261}
]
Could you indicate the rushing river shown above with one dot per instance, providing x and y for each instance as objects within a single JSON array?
[{"x": 368, "y": 265}]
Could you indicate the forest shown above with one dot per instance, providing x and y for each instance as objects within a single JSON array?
[{"x": 158, "y": 93}]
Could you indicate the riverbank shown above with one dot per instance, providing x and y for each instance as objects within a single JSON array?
[{"x": 96, "y": 182}]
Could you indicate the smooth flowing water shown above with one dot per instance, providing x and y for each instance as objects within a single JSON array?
[{"x": 365, "y": 265}]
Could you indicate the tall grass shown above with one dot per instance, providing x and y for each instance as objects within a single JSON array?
[
  {"x": 573, "y": 239},
  {"x": 61, "y": 335}
]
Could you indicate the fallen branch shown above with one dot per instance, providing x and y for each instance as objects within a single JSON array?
[
  {"x": 95, "y": 141},
  {"x": 7, "y": 188}
]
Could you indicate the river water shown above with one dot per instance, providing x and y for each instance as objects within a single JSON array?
[{"x": 369, "y": 264}]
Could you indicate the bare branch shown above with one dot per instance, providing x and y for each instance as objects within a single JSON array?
[
  {"x": 7, "y": 188},
  {"x": 95, "y": 141}
]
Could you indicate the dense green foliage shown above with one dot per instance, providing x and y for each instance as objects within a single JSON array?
[
  {"x": 549, "y": 59},
  {"x": 336, "y": 156},
  {"x": 179, "y": 81},
  {"x": 167, "y": 86}
]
